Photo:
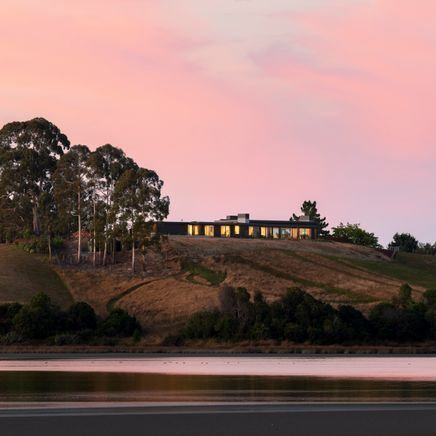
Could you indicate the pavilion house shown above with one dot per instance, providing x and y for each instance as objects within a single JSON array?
[{"x": 241, "y": 226}]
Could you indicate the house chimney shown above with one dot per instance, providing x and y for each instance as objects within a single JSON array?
[{"x": 243, "y": 218}]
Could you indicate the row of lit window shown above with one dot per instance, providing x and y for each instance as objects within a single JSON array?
[
  {"x": 265, "y": 232},
  {"x": 283, "y": 232}
]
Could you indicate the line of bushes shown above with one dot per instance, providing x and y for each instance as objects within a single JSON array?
[
  {"x": 300, "y": 318},
  {"x": 42, "y": 321}
]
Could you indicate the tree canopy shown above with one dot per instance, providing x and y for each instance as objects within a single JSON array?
[
  {"x": 51, "y": 190},
  {"x": 355, "y": 234},
  {"x": 29, "y": 152},
  {"x": 405, "y": 242},
  {"x": 309, "y": 208},
  {"x": 298, "y": 317},
  {"x": 41, "y": 320}
]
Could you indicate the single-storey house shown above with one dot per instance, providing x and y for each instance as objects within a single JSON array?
[{"x": 241, "y": 226}]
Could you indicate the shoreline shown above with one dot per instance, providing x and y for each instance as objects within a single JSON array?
[
  {"x": 388, "y": 368},
  {"x": 225, "y": 349}
]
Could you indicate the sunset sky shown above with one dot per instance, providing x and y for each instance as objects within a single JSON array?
[{"x": 243, "y": 105}]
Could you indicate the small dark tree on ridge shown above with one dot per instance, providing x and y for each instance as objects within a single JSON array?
[{"x": 309, "y": 208}]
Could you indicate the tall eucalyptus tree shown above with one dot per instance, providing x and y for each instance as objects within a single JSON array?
[
  {"x": 28, "y": 154},
  {"x": 138, "y": 203},
  {"x": 72, "y": 189},
  {"x": 107, "y": 164}
]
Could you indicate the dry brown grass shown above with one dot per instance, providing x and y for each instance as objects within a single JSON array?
[
  {"x": 22, "y": 275},
  {"x": 96, "y": 287},
  {"x": 162, "y": 305},
  {"x": 165, "y": 301},
  {"x": 162, "y": 294},
  {"x": 203, "y": 246}
]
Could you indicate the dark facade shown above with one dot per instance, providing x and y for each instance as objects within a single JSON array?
[{"x": 241, "y": 226}]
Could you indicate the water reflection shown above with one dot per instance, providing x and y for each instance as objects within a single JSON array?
[{"x": 124, "y": 387}]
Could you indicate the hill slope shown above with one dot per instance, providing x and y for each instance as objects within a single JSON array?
[
  {"x": 23, "y": 275},
  {"x": 186, "y": 276}
]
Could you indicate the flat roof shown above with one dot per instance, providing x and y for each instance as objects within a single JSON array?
[{"x": 257, "y": 223}]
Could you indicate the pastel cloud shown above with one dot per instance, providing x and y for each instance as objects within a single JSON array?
[{"x": 242, "y": 105}]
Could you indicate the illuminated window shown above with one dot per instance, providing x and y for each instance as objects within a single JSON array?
[
  {"x": 276, "y": 233},
  {"x": 304, "y": 233},
  {"x": 285, "y": 233},
  {"x": 190, "y": 229},
  {"x": 265, "y": 232},
  {"x": 294, "y": 233},
  {"x": 209, "y": 231},
  {"x": 196, "y": 230},
  {"x": 250, "y": 231},
  {"x": 225, "y": 231},
  {"x": 237, "y": 230}
]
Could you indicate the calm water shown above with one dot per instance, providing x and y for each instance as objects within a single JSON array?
[{"x": 109, "y": 380}]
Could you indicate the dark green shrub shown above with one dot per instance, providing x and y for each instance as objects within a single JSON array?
[
  {"x": 261, "y": 309},
  {"x": 398, "y": 324},
  {"x": 356, "y": 326},
  {"x": 430, "y": 318},
  {"x": 429, "y": 298},
  {"x": 226, "y": 327},
  {"x": 7, "y": 313},
  {"x": 202, "y": 325},
  {"x": 172, "y": 340},
  {"x": 11, "y": 338},
  {"x": 404, "y": 297},
  {"x": 136, "y": 335},
  {"x": 227, "y": 299},
  {"x": 259, "y": 331},
  {"x": 119, "y": 323},
  {"x": 57, "y": 243},
  {"x": 66, "y": 339},
  {"x": 81, "y": 316},
  {"x": 37, "y": 320},
  {"x": 294, "y": 332}
]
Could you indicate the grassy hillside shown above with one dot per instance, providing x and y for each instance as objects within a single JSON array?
[
  {"x": 417, "y": 269},
  {"x": 22, "y": 275},
  {"x": 186, "y": 275}
]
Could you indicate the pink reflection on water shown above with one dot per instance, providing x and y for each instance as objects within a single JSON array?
[{"x": 388, "y": 368}]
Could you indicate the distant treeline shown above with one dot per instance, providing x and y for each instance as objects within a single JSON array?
[
  {"x": 50, "y": 191},
  {"x": 300, "y": 318},
  {"x": 41, "y": 321}
]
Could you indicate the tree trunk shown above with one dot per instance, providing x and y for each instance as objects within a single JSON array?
[
  {"x": 79, "y": 225},
  {"x": 106, "y": 225},
  {"x": 144, "y": 264},
  {"x": 113, "y": 251},
  {"x": 105, "y": 252},
  {"x": 94, "y": 252},
  {"x": 94, "y": 248},
  {"x": 36, "y": 226},
  {"x": 133, "y": 253},
  {"x": 49, "y": 246}
]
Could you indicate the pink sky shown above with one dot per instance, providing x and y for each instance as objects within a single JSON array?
[{"x": 243, "y": 105}]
